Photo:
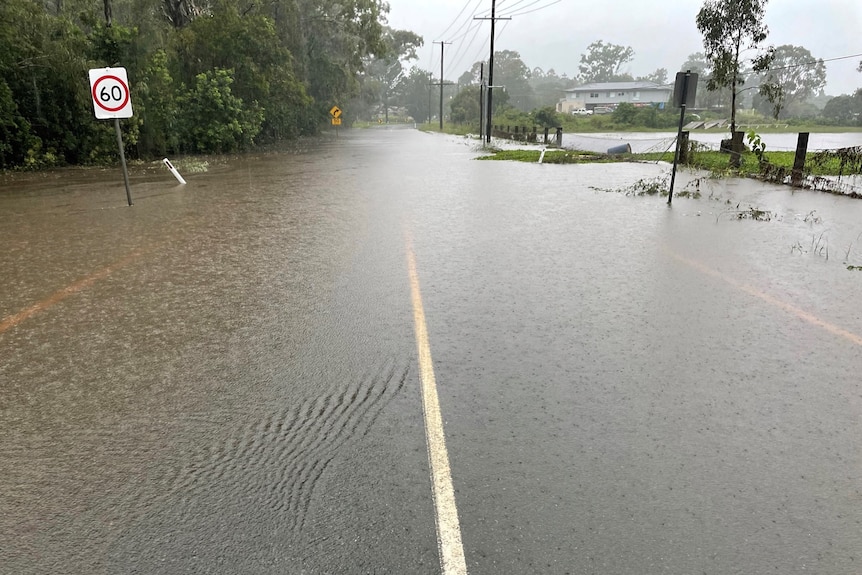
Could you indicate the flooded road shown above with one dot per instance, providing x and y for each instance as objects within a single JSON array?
[{"x": 224, "y": 378}]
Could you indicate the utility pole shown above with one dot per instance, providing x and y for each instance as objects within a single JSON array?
[
  {"x": 491, "y": 65},
  {"x": 482, "y": 100},
  {"x": 442, "y": 45}
]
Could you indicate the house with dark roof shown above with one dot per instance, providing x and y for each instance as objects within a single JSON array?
[{"x": 611, "y": 94}]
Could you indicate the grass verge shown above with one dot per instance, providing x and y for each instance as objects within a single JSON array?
[{"x": 712, "y": 161}]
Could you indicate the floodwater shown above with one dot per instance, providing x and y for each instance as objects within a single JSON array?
[
  {"x": 223, "y": 377},
  {"x": 643, "y": 142}
]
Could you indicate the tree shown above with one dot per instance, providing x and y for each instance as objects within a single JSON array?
[
  {"x": 658, "y": 77},
  {"x": 291, "y": 60},
  {"x": 548, "y": 87},
  {"x": 793, "y": 77},
  {"x": 466, "y": 79},
  {"x": 215, "y": 120},
  {"x": 845, "y": 110},
  {"x": 699, "y": 65},
  {"x": 180, "y": 13},
  {"x": 511, "y": 72},
  {"x": 248, "y": 44},
  {"x": 547, "y": 117},
  {"x": 730, "y": 27},
  {"x": 415, "y": 93},
  {"x": 625, "y": 113},
  {"x": 386, "y": 70},
  {"x": 464, "y": 107},
  {"x": 602, "y": 62}
]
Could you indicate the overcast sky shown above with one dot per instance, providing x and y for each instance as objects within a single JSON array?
[{"x": 552, "y": 34}]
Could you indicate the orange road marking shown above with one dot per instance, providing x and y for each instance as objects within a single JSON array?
[
  {"x": 772, "y": 300},
  {"x": 70, "y": 290}
]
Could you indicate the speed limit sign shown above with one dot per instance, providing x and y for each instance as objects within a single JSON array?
[{"x": 110, "y": 90}]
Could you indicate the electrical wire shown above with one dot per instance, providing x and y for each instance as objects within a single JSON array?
[
  {"x": 457, "y": 58},
  {"x": 506, "y": 6},
  {"x": 814, "y": 63},
  {"x": 508, "y": 10},
  {"x": 456, "y": 18},
  {"x": 468, "y": 22},
  {"x": 534, "y": 9}
]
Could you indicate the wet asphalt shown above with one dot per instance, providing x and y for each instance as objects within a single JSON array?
[{"x": 223, "y": 378}]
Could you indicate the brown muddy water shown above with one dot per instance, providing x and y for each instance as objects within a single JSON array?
[{"x": 223, "y": 378}]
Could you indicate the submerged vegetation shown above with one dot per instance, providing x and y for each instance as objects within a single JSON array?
[
  {"x": 829, "y": 163},
  {"x": 550, "y": 156}
]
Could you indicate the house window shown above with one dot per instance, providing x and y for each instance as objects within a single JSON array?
[
  {"x": 610, "y": 94},
  {"x": 594, "y": 95},
  {"x": 637, "y": 96},
  {"x": 621, "y": 94}
]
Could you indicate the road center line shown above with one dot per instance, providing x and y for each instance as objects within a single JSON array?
[
  {"x": 449, "y": 543},
  {"x": 772, "y": 300},
  {"x": 70, "y": 290}
]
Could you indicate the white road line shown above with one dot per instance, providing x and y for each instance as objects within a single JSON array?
[{"x": 448, "y": 527}]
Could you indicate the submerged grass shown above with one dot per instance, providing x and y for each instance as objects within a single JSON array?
[
  {"x": 708, "y": 160},
  {"x": 551, "y": 156}
]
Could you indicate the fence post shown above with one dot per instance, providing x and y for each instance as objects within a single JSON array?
[
  {"x": 546, "y": 134},
  {"x": 559, "y": 136},
  {"x": 683, "y": 147},
  {"x": 796, "y": 176},
  {"x": 736, "y": 149}
]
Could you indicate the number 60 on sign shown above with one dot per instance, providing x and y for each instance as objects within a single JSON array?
[{"x": 110, "y": 90}]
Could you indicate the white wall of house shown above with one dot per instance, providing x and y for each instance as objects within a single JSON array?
[{"x": 614, "y": 93}]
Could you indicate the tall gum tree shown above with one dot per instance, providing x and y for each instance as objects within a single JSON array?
[
  {"x": 793, "y": 77},
  {"x": 730, "y": 28},
  {"x": 604, "y": 62}
]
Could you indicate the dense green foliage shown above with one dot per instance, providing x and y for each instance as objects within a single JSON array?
[{"x": 205, "y": 75}]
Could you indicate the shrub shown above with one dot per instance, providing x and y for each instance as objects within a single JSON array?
[{"x": 212, "y": 119}]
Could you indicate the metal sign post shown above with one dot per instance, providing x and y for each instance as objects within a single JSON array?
[
  {"x": 336, "y": 112},
  {"x": 683, "y": 95},
  {"x": 112, "y": 100}
]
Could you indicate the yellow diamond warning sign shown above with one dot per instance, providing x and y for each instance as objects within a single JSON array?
[{"x": 335, "y": 112}]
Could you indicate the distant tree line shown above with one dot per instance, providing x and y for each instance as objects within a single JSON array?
[
  {"x": 222, "y": 75},
  {"x": 205, "y": 75}
]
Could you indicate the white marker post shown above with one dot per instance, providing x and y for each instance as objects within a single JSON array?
[
  {"x": 174, "y": 171},
  {"x": 112, "y": 100}
]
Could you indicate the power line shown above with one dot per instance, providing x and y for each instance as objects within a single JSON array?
[
  {"x": 814, "y": 63},
  {"x": 468, "y": 20},
  {"x": 455, "y": 20},
  {"x": 475, "y": 59},
  {"x": 469, "y": 29},
  {"x": 535, "y": 9},
  {"x": 462, "y": 48},
  {"x": 465, "y": 24},
  {"x": 507, "y": 11},
  {"x": 508, "y": 7}
]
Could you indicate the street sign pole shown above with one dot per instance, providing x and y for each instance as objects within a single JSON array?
[
  {"x": 336, "y": 113},
  {"x": 112, "y": 100},
  {"x": 682, "y": 96},
  {"x": 123, "y": 159}
]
